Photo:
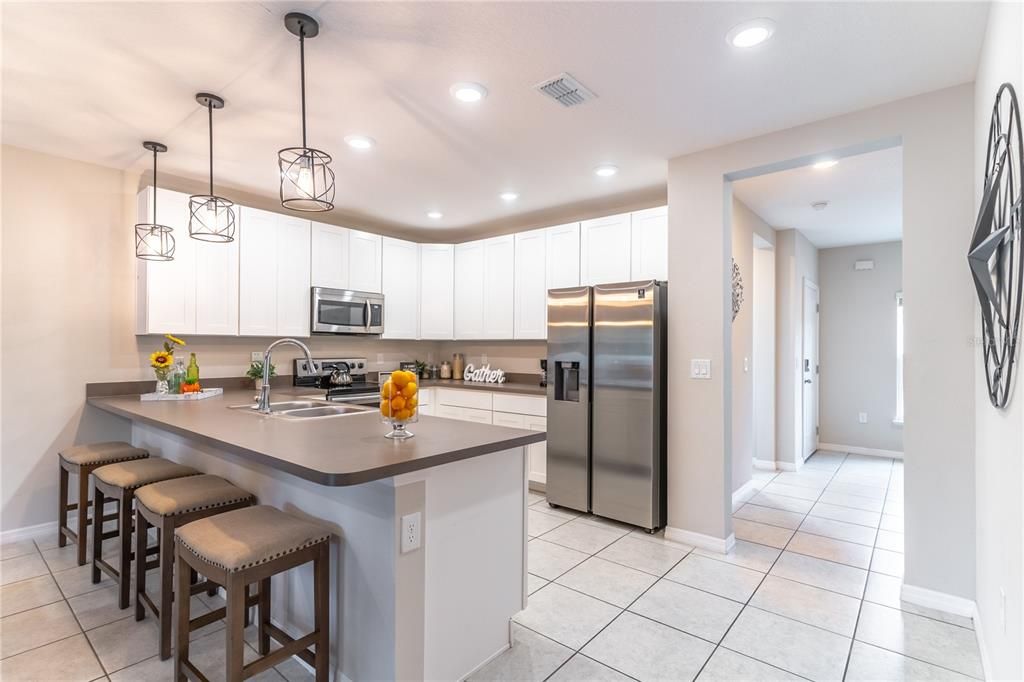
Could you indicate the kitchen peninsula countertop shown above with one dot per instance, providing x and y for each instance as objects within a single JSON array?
[{"x": 333, "y": 451}]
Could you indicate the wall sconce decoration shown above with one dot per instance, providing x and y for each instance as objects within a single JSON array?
[{"x": 737, "y": 290}]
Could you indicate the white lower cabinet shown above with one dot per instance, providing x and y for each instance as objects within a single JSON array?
[{"x": 426, "y": 401}]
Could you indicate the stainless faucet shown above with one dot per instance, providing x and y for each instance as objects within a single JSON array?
[{"x": 263, "y": 405}]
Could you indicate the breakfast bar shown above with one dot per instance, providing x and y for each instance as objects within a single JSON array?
[{"x": 429, "y": 547}]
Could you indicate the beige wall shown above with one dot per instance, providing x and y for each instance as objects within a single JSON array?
[
  {"x": 858, "y": 345},
  {"x": 743, "y": 220},
  {"x": 935, "y": 130},
  {"x": 999, "y": 434},
  {"x": 67, "y": 318},
  {"x": 764, "y": 355}
]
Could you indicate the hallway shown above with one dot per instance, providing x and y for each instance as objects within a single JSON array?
[{"x": 811, "y": 590}]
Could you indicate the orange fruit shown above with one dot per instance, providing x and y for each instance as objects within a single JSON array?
[
  {"x": 399, "y": 378},
  {"x": 411, "y": 410},
  {"x": 410, "y": 389},
  {"x": 385, "y": 408},
  {"x": 402, "y": 415},
  {"x": 412, "y": 402},
  {"x": 398, "y": 403},
  {"x": 388, "y": 390}
]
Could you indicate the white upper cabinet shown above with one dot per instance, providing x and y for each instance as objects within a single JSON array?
[
  {"x": 364, "y": 269},
  {"x": 563, "y": 256},
  {"x": 274, "y": 273},
  {"x": 216, "y": 286},
  {"x": 166, "y": 290},
  {"x": 293, "y": 296},
  {"x": 469, "y": 290},
  {"x": 649, "y": 251},
  {"x": 329, "y": 256},
  {"x": 401, "y": 262},
  {"x": 437, "y": 291},
  {"x": 605, "y": 250},
  {"x": 499, "y": 287},
  {"x": 531, "y": 292}
]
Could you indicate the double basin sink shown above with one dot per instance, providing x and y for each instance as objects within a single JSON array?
[{"x": 306, "y": 409}]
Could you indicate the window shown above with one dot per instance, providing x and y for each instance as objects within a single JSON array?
[{"x": 898, "y": 419}]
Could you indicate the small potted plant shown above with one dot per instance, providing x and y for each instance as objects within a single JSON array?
[{"x": 256, "y": 373}]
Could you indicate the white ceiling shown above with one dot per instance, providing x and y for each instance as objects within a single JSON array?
[
  {"x": 92, "y": 80},
  {"x": 864, "y": 195}
]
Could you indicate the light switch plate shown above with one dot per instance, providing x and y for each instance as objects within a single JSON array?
[
  {"x": 862, "y": 417},
  {"x": 410, "y": 532},
  {"x": 700, "y": 369},
  {"x": 256, "y": 356}
]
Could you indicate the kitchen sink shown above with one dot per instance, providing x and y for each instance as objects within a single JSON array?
[
  {"x": 283, "y": 406},
  {"x": 323, "y": 411}
]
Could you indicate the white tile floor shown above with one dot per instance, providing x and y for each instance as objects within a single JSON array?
[
  {"x": 811, "y": 590},
  {"x": 57, "y": 625}
]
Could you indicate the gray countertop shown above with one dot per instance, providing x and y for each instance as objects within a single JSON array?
[
  {"x": 507, "y": 387},
  {"x": 335, "y": 451}
]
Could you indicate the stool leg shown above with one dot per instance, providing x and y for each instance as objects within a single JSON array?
[
  {"x": 62, "y": 509},
  {"x": 322, "y": 610},
  {"x": 166, "y": 588},
  {"x": 235, "y": 630},
  {"x": 83, "y": 513},
  {"x": 141, "y": 541},
  {"x": 125, "y": 540},
  {"x": 264, "y": 614},
  {"x": 181, "y": 608},
  {"x": 248, "y": 615},
  {"x": 97, "y": 538}
]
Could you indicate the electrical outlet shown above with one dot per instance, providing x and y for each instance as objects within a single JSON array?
[
  {"x": 410, "y": 532},
  {"x": 380, "y": 358},
  {"x": 256, "y": 356},
  {"x": 862, "y": 417}
]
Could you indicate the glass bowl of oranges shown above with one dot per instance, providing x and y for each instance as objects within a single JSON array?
[{"x": 399, "y": 400}]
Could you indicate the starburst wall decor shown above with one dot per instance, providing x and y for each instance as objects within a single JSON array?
[
  {"x": 995, "y": 252},
  {"x": 737, "y": 290}
]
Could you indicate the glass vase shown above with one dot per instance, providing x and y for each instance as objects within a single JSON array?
[
  {"x": 399, "y": 403},
  {"x": 161, "y": 387}
]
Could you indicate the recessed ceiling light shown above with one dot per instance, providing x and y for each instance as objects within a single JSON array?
[
  {"x": 435, "y": 215},
  {"x": 468, "y": 92},
  {"x": 606, "y": 170},
  {"x": 826, "y": 163},
  {"x": 509, "y": 196},
  {"x": 750, "y": 33},
  {"x": 360, "y": 141}
]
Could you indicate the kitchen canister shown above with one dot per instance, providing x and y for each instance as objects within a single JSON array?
[
  {"x": 458, "y": 365},
  {"x": 446, "y": 370}
]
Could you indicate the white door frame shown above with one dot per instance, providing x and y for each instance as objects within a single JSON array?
[{"x": 806, "y": 451}]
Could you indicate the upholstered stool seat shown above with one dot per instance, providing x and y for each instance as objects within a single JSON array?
[
  {"x": 82, "y": 460},
  {"x": 236, "y": 549},
  {"x": 168, "y": 505},
  {"x": 119, "y": 481}
]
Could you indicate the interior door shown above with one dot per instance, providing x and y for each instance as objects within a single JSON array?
[{"x": 810, "y": 369}]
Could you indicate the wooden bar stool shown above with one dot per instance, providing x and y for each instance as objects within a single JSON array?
[
  {"x": 168, "y": 505},
  {"x": 239, "y": 548},
  {"x": 120, "y": 481},
  {"x": 82, "y": 460}
]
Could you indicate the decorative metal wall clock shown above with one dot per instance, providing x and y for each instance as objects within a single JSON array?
[
  {"x": 737, "y": 290},
  {"x": 995, "y": 253}
]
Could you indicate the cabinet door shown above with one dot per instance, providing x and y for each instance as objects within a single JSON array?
[
  {"x": 364, "y": 259},
  {"x": 499, "y": 284},
  {"x": 537, "y": 453},
  {"x": 469, "y": 290},
  {"x": 563, "y": 257},
  {"x": 650, "y": 244},
  {"x": 531, "y": 294},
  {"x": 257, "y": 273},
  {"x": 217, "y": 286},
  {"x": 401, "y": 260},
  {"x": 166, "y": 290},
  {"x": 293, "y": 307},
  {"x": 437, "y": 291},
  {"x": 604, "y": 250},
  {"x": 329, "y": 257}
]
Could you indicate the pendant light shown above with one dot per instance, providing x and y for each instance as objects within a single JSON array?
[
  {"x": 211, "y": 218},
  {"x": 307, "y": 181},
  {"x": 154, "y": 241}
]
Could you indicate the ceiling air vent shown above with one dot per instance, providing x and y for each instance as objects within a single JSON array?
[{"x": 565, "y": 90}]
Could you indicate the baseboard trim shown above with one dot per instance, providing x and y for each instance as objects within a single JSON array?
[
  {"x": 28, "y": 532},
  {"x": 979, "y": 635},
  {"x": 788, "y": 466},
  {"x": 941, "y": 601},
  {"x": 857, "y": 450},
  {"x": 694, "y": 539},
  {"x": 748, "y": 488},
  {"x": 765, "y": 465}
]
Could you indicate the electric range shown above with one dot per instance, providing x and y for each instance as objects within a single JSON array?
[{"x": 360, "y": 392}]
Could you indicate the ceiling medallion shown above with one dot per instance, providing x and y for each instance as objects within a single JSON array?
[
  {"x": 307, "y": 181},
  {"x": 154, "y": 241},
  {"x": 995, "y": 252},
  {"x": 737, "y": 290},
  {"x": 211, "y": 218}
]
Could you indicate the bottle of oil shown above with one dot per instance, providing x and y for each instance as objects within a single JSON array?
[{"x": 192, "y": 373}]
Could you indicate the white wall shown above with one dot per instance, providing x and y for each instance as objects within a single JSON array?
[
  {"x": 764, "y": 354},
  {"x": 743, "y": 220},
  {"x": 935, "y": 130},
  {"x": 858, "y": 345},
  {"x": 796, "y": 261},
  {"x": 999, "y": 434}
]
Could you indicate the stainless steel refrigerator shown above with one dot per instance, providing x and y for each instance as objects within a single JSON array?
[{"x": 606, "y": 447}]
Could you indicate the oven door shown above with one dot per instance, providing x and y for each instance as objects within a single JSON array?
[{"x": 340, "y": 311}]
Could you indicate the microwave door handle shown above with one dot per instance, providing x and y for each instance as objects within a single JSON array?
[{"x": 366, "y": 305}]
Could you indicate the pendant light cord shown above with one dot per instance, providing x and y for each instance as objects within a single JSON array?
[
  {"x": 154, "y": 186},
  {"x": 209, "y": 109},
  {"x": 302, "y": 79}
]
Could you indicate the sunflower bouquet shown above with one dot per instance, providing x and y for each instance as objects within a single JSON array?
[{"x": 162, "y": 361}]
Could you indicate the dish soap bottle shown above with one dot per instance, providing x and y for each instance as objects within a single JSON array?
[{"x": 191, "y": 384}]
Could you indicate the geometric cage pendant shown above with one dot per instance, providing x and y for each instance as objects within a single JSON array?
[
  {"x": 154, "y": 241},
  {"x": 211, "y": 218}
]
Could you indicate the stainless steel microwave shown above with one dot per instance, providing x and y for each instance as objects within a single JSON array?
[{"x": 342, "y": 311}]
